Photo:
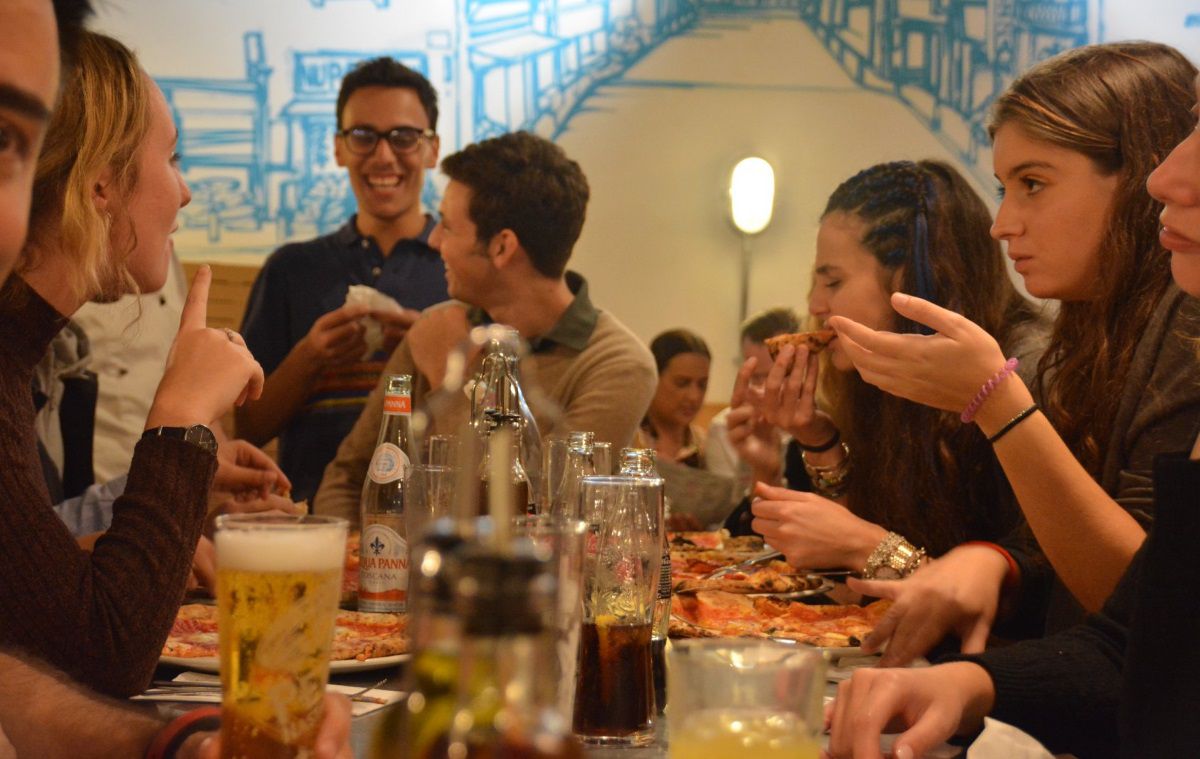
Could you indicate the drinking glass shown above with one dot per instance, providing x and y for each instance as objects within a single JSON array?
[
  {"x": 278, "y": 582},
  {"x": 614, "y": 692},
  {"x": 553, "y": 467},
  {"x": 732, "y": 698},
  {"x": 431, "y": 490},
  {"x": 440, "y": 450},
  {"x": 602, "y": 457},
  {"x": 560, "y": 541}
]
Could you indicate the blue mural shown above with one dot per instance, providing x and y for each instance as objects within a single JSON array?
[{"x": 261, "y": 166}]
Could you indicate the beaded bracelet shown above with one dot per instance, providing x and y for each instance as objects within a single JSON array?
[
  {"x": 968, "y": 414},
  {"x": 829, "y": 481}
]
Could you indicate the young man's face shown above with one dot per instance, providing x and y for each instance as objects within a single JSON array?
[
  {"x": 387, "y": 183},
  {"x": 469, "y": 270},
  {"x": 29, "y": 73}
]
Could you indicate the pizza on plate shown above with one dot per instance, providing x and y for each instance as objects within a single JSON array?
[
  {"x": 357, "y": 634},
  {"x": 772, "y": 577},
  {"x": 816, "y": 341},
  {"x": 717, "y": 614}
]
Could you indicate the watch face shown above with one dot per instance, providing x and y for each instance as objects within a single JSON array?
[{"x": 201, "y": 436}]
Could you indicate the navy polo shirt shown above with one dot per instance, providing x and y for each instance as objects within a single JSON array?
[{"x": 303, "y": 281}]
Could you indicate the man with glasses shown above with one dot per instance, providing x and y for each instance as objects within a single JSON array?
[
  {"x": 309, "y": 340},
  {"x": 510, "y": 217}
]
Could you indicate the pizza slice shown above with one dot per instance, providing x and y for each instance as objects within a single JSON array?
[
  {"x": 773, "y": 577},
  {"x": 816, "y": 341}
]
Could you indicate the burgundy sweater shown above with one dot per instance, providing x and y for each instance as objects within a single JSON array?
[{"x": 101, "y": 617}]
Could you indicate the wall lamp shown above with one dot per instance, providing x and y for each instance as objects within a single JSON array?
[{"x": 751, "y": 201}]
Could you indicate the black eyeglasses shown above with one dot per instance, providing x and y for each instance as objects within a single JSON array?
[{"x": 362, "y": 140}]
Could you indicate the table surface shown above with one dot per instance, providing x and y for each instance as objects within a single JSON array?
[{"x": 365, "y": 726}]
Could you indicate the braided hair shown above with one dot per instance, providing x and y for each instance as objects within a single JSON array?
[{"x": 920, "y": 471}]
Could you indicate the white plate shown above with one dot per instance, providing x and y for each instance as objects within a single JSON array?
[{"x": 210, "y": 663}]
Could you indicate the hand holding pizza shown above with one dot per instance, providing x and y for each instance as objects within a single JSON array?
[
  {"x": 944, "y": 370},
  {"x": 756, "y": 441},
  {"x": 929, "y": 705},
  {"x": 788, "y": 397},
  {"x": 243, "y": 468},
  {"x": 811, "y": 531},
  {"x": 957, "y": 593}
]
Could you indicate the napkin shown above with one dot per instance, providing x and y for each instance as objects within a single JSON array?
[
  {"x": 203, "y": 680},
  {"x": 1000, "y": 740},
  {"x": 376, "y": 301}
]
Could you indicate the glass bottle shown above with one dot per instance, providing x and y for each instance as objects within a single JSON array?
[
  {"x": 579, "y": 465},
  {"x": 420, "y": 727},
  {"x": 639, "y": 462},
  {"x": 383, "y": 566},
  {"x": 507, "y": 696},
  {"x": 497, "y": 393},
  {"x": 518, "y": 472}
]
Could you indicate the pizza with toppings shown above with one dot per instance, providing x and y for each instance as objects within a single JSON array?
[
  {"x": 717, "y": 614},
  {"x": 816, "y": 341},
  {"x": 772, "y": 577},
  {"x": 357, "y": 635}
]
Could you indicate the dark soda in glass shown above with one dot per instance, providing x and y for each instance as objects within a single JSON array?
[{"x": 614, "y": 693}]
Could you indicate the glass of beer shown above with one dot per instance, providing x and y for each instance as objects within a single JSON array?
[
  {"x": 278, "y": 583},
  {"x": 614, "y": 681},
  {"x": 738, "y": 697}
]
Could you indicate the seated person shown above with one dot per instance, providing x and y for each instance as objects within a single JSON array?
[
  {"x": 1104, "y": 688},
  {"x": 510, "y": 217},
  {"x": 1119, "y": 383},
  {"x": 683, "y": 360},
  {"x": 106, "y": 192},
  {"x": 894, "y": 482},
  {"x": 721, "y": 456}
]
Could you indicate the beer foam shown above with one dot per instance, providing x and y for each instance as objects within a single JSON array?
[{"x": 317, "y": 549}]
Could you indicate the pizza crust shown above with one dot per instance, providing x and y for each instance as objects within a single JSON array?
[{"x": 816, "y": 341}]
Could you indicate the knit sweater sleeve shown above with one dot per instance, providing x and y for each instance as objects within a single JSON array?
[
  {"x": 103, "y": 616},
  {"x": 1064, "y": 689}
]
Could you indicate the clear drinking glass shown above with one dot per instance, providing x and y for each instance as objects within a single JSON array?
[
  {"x": 614, "y": 693},
  {"x": 561, "y": 541},
  {"x": 440, "y": 450},
  {"x": 278, "y": 582},
  {"x": 431, "y": 497},
  {"x": 602, "y": 457},
  {"x": 733, "y": 698},
  {"x": 553, "y": 467}
]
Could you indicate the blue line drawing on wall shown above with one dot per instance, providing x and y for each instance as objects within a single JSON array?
[
  {"x": 377, "y": 3},
  {"x": 262, "y": 172}
]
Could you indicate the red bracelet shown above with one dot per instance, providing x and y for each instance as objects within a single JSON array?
[
  {"x": 1012, "y": 577},
  {"x": 168, "y": 740}
]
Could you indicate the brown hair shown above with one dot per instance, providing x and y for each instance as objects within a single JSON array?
[
  {"x": 1125, "y": 106},
  {"x": 101, "y": 120},
  {"x": 920, "y": 471},
  {"x": 525, "y": 183}
]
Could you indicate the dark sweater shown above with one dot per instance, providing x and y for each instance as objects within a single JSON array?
[
  {"x": 1127, "y": 682},
  {"x": 102, "y": 617}
]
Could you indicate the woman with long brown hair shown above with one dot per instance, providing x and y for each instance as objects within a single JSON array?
[
  {"x": 1074, "y": 141},
  {"x": 894, "y": 480}
]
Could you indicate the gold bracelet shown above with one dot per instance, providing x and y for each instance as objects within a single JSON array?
[
  {"x": 830, "y": 481},
  {"x": 893, "y": 559}
]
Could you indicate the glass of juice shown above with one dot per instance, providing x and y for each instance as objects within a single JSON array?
[
  {"x": 278, "y": 583},
  {"x": 733, "y": 698},
  {"x": 614, "y": 680}
]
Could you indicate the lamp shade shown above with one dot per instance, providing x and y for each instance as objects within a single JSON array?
[{"x": 752, "y": 194}]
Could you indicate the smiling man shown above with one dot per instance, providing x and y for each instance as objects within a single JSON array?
[
  {"x": 510, "y": 217},
  {"x": 298, "y": 325}
]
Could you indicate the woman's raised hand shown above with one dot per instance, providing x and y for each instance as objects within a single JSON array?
[
  {"x": 944, "y": 370},
  {"x": 208, "y": 370},
  {"x": 756, "y": 441},
  {"x": 788, "y": 398}
]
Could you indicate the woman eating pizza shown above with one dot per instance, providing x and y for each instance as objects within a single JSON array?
[
  {"x": 894, "y": 480},
  {"x": 106, "y": 192},
  {"x": 1118, "y": 384},
  {"x": 1104, "y": 688}
]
